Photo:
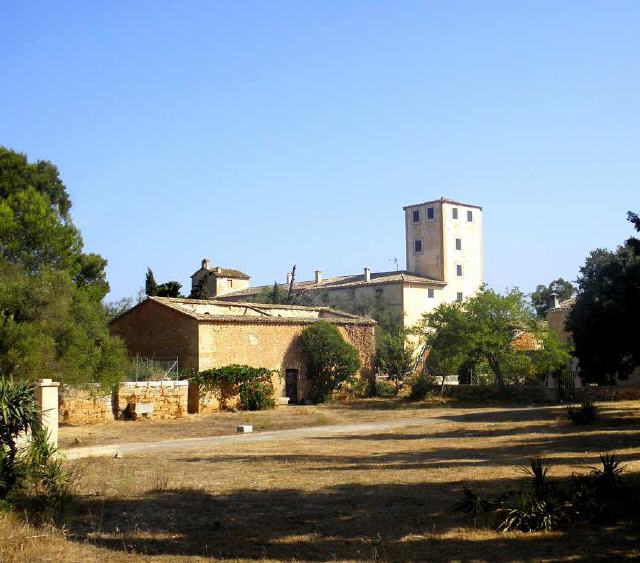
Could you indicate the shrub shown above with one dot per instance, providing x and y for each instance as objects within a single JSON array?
[
  {"x": 583, "y": 415},
  {"x": 257, "y": 395},
  {"x": 330, "y": 360},
  {"x": 46, "y": 487},
  {"x": 254, "y": 384},
  {"x": 385, "y": 389},
  {"x": 422, "y": 387}
]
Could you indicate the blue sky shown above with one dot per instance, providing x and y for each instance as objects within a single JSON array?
[{"x": 263, "y": 134}]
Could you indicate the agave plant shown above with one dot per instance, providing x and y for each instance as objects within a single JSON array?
[
  {"x": 473, "y": 503},
  {"x": 526, "y": 513},
  {"x": 18, "y": 413},
  {"x": 538, "y": 469},
  {"x": 610, "y": 476}
]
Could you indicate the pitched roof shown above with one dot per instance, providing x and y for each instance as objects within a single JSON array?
[
  {"x": 565, "y": 305},
  {"x": 213, "y": 310},
  {"x": 340, "y": 282},
  {"x": 224, "y": 272},
  {"x": 443, "y": 200}
]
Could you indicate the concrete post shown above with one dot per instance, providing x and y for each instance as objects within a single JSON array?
[{"x": 47, "y": 399}]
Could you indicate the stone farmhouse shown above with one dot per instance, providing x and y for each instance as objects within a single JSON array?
[
  {"x": 444, "y": 263},
  {"x": 204, "y": 334}
]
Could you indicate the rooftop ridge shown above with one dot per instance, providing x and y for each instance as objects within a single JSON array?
[{"x": 443, "y": 200}]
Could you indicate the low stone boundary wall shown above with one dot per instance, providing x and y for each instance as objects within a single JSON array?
[
  {"x": 608, "y": 393},
  {"x": 208, "y": 401},
  {"x": 89, "y": 404},
  {"x": 516, "y": 393},
  {"x": 169, "y": 398},
  {"x": 84, "y": 405}
]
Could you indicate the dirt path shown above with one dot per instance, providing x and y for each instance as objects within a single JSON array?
[{"x": 196, "y": 443}]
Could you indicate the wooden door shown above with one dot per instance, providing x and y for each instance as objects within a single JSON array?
[{"x": 291, "y": 385}]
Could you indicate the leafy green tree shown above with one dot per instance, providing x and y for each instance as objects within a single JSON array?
[
  {"x": 484, "y": 328},
  {"x": 604, "y": 319},
  {"x": 274, "y": 295},
  {"x": 150, "y": 285},
  {"x": 395, "y": 356},
  {"x": 330, "y": 360},
  {"x": 199, "y": 290},
  {"x": 169, "y": 289},
  {"x": 52, "y": 321},
  {"x": 540, "y": 297}
]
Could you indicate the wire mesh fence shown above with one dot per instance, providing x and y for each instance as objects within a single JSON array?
[{"x": 155, "y": 369}]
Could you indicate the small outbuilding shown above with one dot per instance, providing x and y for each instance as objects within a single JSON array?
[{"x": 204, "y": 334}]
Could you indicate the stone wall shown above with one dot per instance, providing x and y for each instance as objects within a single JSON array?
[
  {"x": 608, "y": 393},
  {"x": 153, "y": 330},
  {"x": 207, "y": 401},
  {"x": 84, "y": 405},
  {"x": 90, "y": 405},
  {"x": 274, "y": 346},
  {"x": 169, "y": 398}
]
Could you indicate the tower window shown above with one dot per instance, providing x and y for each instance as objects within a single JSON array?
[
  {"x": 459, "y": 296},
  {"x": 459, "y": 270},
  {"x": 454, "y": 212},
  {"x": 416, "y": 215},
  {"x": 458, "y": 244},
  {"x": 430, "y": 213},
  {"x": 470, "y": 216},
  {"x": 431, "y": 293},
  {"x": 417, "y": 245}
]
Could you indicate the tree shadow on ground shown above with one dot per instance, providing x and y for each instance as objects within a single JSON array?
[{"x": 341, "y": 522}]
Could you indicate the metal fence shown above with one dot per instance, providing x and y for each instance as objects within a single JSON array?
[{"x": 155, "y": 369}]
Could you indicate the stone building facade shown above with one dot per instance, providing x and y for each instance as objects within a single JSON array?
[
  {"x": 204, "y": 334},
  {"x": 444, "y": 263}
]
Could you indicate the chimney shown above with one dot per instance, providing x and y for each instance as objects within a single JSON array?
[
  {"x": 552, "y": 300},
  {"x": 367, "y": 274},
  {"x": 289, "y": 278},
  {"x": 219, "y": 270},
  {"x": 318, "y": 276},
  {"x": 205, "y": 264}
]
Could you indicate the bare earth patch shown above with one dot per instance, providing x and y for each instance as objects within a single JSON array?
[{"x": 377, "y": 495}]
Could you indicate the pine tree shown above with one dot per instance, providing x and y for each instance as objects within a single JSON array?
[{"x": 150, "y": 285}]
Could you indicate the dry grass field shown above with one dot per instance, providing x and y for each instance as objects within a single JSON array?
[{"x": 369, "y": 496}]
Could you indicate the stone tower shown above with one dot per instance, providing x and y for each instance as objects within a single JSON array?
[{"x": 444, "y": 242}]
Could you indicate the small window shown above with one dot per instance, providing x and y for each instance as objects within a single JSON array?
[
  {"x": 454, "y": 212},
  {"x": 470, "y": 216},
  {"x": 379, "y": 292},
  {"x": 459, "y": 270},
  {"x": 230, "y": 283},
  {"x": 431, "y": 293},
  {"x": 459, "y": 296},
  {"x": 430, "y": 213},
  {"x": 416, "y": 215},
  {"x": 417, "y": 245},
  {"x": 458, "y": 244}
]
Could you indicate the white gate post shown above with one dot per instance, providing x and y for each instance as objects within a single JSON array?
[{"x": 47, "y": 399}]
